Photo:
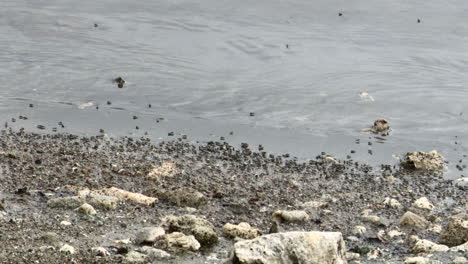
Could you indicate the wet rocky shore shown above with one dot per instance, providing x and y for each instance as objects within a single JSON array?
[{"x": 73, "y": 199}]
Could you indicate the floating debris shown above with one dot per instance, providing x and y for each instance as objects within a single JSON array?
[
  {"x": 120, "y": 81},
  {"x": 381, "y": 126},
  {"x": 365, "y": 96},
  {"x": 86, "y": 105}
]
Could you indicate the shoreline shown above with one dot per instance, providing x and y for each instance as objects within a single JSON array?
[{"x": 233, "y": 186}]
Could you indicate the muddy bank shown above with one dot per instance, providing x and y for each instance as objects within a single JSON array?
[{"x": 216, "y": 182}]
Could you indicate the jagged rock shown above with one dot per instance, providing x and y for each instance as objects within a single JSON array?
[
  {"x": 456, "y": 231},
  {"x": 67, "y": 249},
  {"x": 423, "y": 203},
  {"x": 201, "y": 229},
  {"x": 86, "y": 209},
  {"x": 427, "y": 246},
  {"x": 290, "y": 216},
  {"x": 167, "y": 169},
  {"x": 149, "y": 235},
  {"x": 292, "y": 247},
  {"x": 135, "y": 257},
  {"x": 242, "y": 230},
  {"x": 179, "y": 242},
  {"x": 431, "y": 161},
  {"x": 412, "y": 220},
  {"x": 121, "y": 195},
  {"x": 367, "y": 217},
  {"x": 71, "y": 202}
]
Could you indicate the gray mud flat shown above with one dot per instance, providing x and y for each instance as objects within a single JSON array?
[{"x": 239, "y": 185}]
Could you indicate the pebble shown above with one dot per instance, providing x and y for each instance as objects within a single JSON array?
[
  {"x": 65, "y": 223},
  {"x": 390, "y": 202},
  {"x": 359, "y": 230},
  {"x": 86, "y": 209},
  {"x": 100, "y": 251},
  {"x": 68, "y": 249},
  {"x": 416, "y": 260},
  {"x": 149, "y": 235},
  {"x": 459, "y": 260},
  {"x": 154, "y": 253},
  {"x": 423, "y": 203},
  {"x": 135, "y": 257},
  {"x": 281, "y": 216}
]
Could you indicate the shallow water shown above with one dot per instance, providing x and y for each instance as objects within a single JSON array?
[{"x": 205, "y": 65}]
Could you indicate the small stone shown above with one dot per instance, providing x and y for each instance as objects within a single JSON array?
[
  {"x": 149, "y": 235},
  {"x": 359, "y": 230},
  {"x": 390, "y": 202},
  {"x": 290, "y": 216},
  {"x": 65, "y": 223},
  {"x": 68, "y": 249},
  {"x": 423, "y": 203},
  {"x": 394, "y": 233},
  {"x": 122, "y": 241},
  {"x": 412, "y": 220},
  {"x": 352, "y": 256},
  {"x": 100, "y": 251},
  {"x": 416, "y": 260},
  {"x": 242, "y": 230},
  {"x": 313, "y": 204},
  {"x": 367, "y": 217},
  {"x": 154, "y": 253},
  {"x": 86, "y": 209},
  {"x": 459, "y": 260},
  {"x": 135, "y": 257},
  {"x": 179, "y": 242}
]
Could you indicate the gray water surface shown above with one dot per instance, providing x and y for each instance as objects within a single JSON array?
[{"x": 205, "y": 65}]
